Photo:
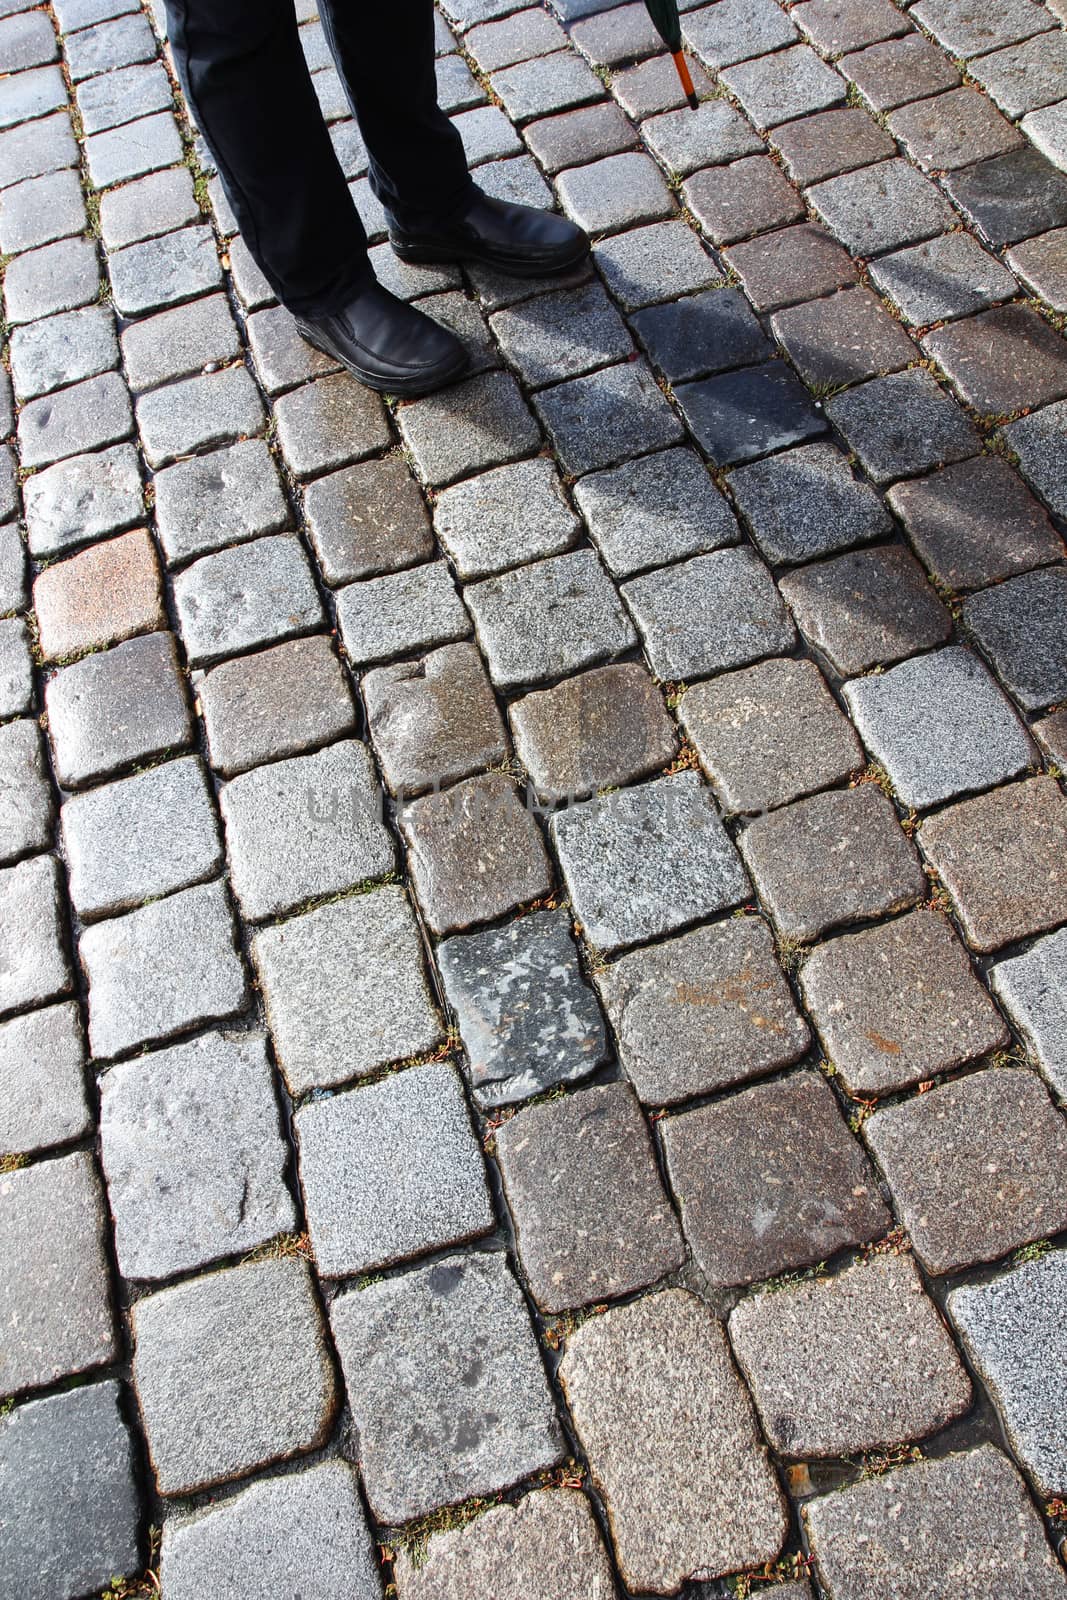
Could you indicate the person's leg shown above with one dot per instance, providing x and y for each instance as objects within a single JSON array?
[{"x": 244, "y": 76}]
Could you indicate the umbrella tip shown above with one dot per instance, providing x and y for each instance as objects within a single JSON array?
[{"x": 692, "y": 101}]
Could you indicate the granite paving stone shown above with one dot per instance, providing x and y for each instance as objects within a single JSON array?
[
  {"x": 83, "y": 417},
  {"x": 303, "y": 828},
  {"x": 951, "y": 276},
  {"x": 16, "y": 668},
  {"x": 842, "y": 339},
  {"x": 102, "y": 596},
  {"x": 867, "y": 608},
  {"x": 498, "y": 289},
  {"x": 26, "y": 809},
  {"x": 345, "y": 989},
  {"x": 561, "y": 334},
  {"x": 790, "y": 264},
  {"x": 545, "y": 84},
  {"x": 67, "y": 1465},
  {"x": 391, "y": 1171},
  {"x": 1051, "y": 733},
  {"x": 1041, "y": 263},
  {"x": 13, "y": 589},
  {"x": 193, "y": 1155},
  {"x": 594, "y": 731},
  {"x": 1032, "y": 988},
  {"x": 236, "y": 600},
  {"x": 82, "y": 499},
  {"x": 520, "y": 37},
  {"x": 1000, "y": 858},
  {"x": 161, "y": 970},
  {"x": 33, "y": 958},
  {"x": 24, "y": 95},
  {"x": 218, "y": 499},
  {"x": 975, "y": 1166},
  {"x": 1002, "y": 360},
  {"x": 39, "y": 210},
  {"x": 963, "y": 28},
  {"x": 1040, "y": 442},
  {"x": 953, "y": 130},
  {"x": 474, "y": 853},
  {"x": 115, "y": 98},
  {"x": 518, "y": 180},
  {"x": 606, "y": 417},
  {"x": 464, "y": 318},
  {"x": 120, "y": 43},
  {"x": 657, "y": 508},
  {"x": 898, "y": 1004},
  {"x": 646, "y": 265},
  {"x": 467, "y": 428},
  {"x": 487, "y": 134},
  {"x": 895, "y": 1375},
  {"x": 926, "y": 1525},
  {"x": 1024, "y": 76},
  {"x": 739, "y": 416},
  {"x": 833, "y": 859},
  {"x": 578, "y": 137},
  {"x": 1047, "y": 130},
  {"x": 743, "y": 1172},
  {"x": 158, "y": 204},
  {"x": 1011, "y": 197},
  {"x": 902, "y": 425},
  {"x": 63, "y": 349},
  {"x": 769, "y": 734},
  {"x": 744, "y": 198},
  {"x": 708, "y": 614},
  {"x": 902, "y": 70},
  {"x": 252, "y": 288},
  {"x": 784, "y": 85},
  {"x": 703, "y": 333},
  {"x": 686, "y": 140},
  {"x": 278, "y": 702},
  {"x": 881, "y": 207},
  {"x": 433, "y": 720},
  {"x": 301, "y": 1531},
  {"x": 130, "y": 151},
  {"x": 659, "y": 1370},
  {"x": 165, "y": 818},
  {"x": 613, "y": 36},
  {"x": 548, "y": 620},
  {"x": 807, "y": 502},
  {"x": 112, "y": 709},
  {"x": 407, "y": 280},
  {"x": 506, "y": 517},
  {"x": 164, "y": 271},
  {"x": 616, "y": 192},
  {"x": 1019, "y": 626},
  {"x": 446, "y": 1385},
  {"x": 835, "y": 26},
  {"x": 198, "y": 414},
  {"x": 830, "y": 143},
  {"x": 591, "y": 1216},
  {"x": 27, "y": 40},
  {"x": 647, "y": 860},
  {"x": 178, "y": 343},
  {"x": 400, "y": 613},
  {"x": 966, "y": 735},
  {"x": 652, "y": 86},
  {"x": 35, "y": 148},
  {"x": 527, "y": 1019},
  {"x": 9, "y": 494},
  {"x": 367, "y": 519},
  {"x": 737, "y": 31},
  {"x": 1013, "y": 1330},
  {"x": 73, "y": 15},
  {"x": 232, "y": 1373},
  {"x": 56, "y": 1292},
  {"x": 457, "y": 90},
  {"x": 546, "y": 1543}
]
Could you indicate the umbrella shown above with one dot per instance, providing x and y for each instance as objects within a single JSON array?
[{"x": 664, "y": 14}]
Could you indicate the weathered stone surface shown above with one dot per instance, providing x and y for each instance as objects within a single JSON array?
[
  {"x": 708, "y": 614},
  {"x": 41, "y": 1069},
  {"x": 769, "y": 734},
  {"x": 1051, "y": 734},
  {"x": 304, "y": 828},
  {"x": 116, "y": 98},
  {"x": 279, "y": 702},
  {"x": 902, "y": 425},
  {"x": 658, "y": 508},
  {"x": 790, "y": 264},
  {"x": 975, "y": 523},
  {"x": 26, "y": 810},
  {"x": 829, "y": 143},
  {"x": 232, "y": 1373},
  {"x": 867, "y": 608},
  {"x": 146, "y": 145},
  {"x": 110, "y": 710},
  {"x": 953, "y": 130},
  {"x": 24, "y": 95},
  {"x": 659, "y": 1371},
  {"x": 239, "y": 599},
  {"x": 960, "y": 27},
  {"x": 71, "y": 1515},
  {"x": 955, "y": 1526},
  {"x": 837, "y": 25},
  {"x": 882, "y": 207},
  {"x": 526, "y": 1017},
  {"x": 770, "y": 1180},
  {"x": 433, "y": 720},
  {"x": 714, "y": 133},
  {"x": 164, "y": 271},
  {"x": 545, "y": 1544},
  {"x": 391, "y": 1171},
  {"x": 836, "y": 858},
  {"x": 975, "y": 1166},
  {"x": 218, "y": 499},
  {"x": 647, "y": 860},
  {"x": 487, "y": 134},
  {"x": 100, "y": 597},
  {"x": 581, "y": 136},
  {"x": 13, "y": 590},
  {"x": 738, "y": 31},
  {"x": 519, "y": 37},
  {"x": 1013, "y": 1329},
  {"x": 545, "y": 84},
  {"x": 16, "y": 668},
  {"x": 193, "y": 1155},
  {"x": 785, "y": 84},
  {"x": 33, "y": 957},
  {"x": 84, "y": 417},
  {"x": 950, "y": 276},
  {"x": 82, "y": 499},
  {"x": 164, "y": 822},
  {"x": 474, "y": 853},
  {"x": 1025, "y": 77},
  {"x": 843, "y": 338},
  {"x": 39, "y": 210},
  {"x": 591, "y": 1216},
  {"x": 1002, "y": 360},
  {"x": 63, "y": 349},
  {"x": 616, "y": 192},
  {"x": 703, "y": 333},
  {"x": 1011, "y": 197},
  {"x": 57, "y": 277},
  {"x": 345, "y": 989},
  {"x": 1021, "y": 626},
  {"x": 899, "y": 1003},
  {"x": 901, "y": 70},
  {"x": 695, "y": 1014},
  {"x": 366, "y": 519},
  {"x": 1041, "y": 263},
  {"x": 176, "y": 343},
  {"x": 739, "y": 416},
  {"x": 468, "y": 427},
  {"x": 446, "y": 1385},
  {"x": 1040, "y": 442},
  {"x": 282, "y": 357},
  {"x": 36, "y": 148},
  {"x": 806, "y": 502},
  {"x": 1032, "y": 988},
  {"x": 198, "y": 414},
  {"x": 607, "y": 416},
  {"x": 736, "y": 201},
  {"x": 658, "y": 262},
  {"x": 504, "y": 518},
  {"x": 304, "y": 1532},
  {"x": 622, "y": 34},
  {"x": 56, "y": 1297},
  {"x": 1000, "y": 858},
  {"x": 158, "y": 204},
  {"x": 895, "y": 1375},
  {"x": 329, "y": 423},
  {"x": 120, "y": 43},
  {"x": 401, "y": 612}
]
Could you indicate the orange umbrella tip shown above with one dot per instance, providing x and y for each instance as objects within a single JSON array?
[{"x": 686, "y": 81}]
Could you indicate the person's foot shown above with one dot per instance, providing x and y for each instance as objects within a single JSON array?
[
  {"x": 387, "y": 344},
  {"x": 512, "y": 238}
]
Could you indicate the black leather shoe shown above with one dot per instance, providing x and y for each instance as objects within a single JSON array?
[
  {"x": 387, "y": 344},
  {"x": 512, "y": 238}
]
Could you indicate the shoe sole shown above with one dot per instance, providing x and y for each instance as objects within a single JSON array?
[
  {"x": 403, "y": 388},
  {"x": 417, "y": 255}
]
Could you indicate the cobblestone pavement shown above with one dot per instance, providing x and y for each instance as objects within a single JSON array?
[{"x": 533, "y": 922}]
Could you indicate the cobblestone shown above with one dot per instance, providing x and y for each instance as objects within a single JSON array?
[
  {"x": 163, "y": 271},
  {"x": 708, "y": 614},
  {"x": 482, "y": 423},
  {"x": 117, "y": 98},
  {"x": 33, "y": 958},
  {"x": 1020, "y": 626},
  {"x": 740, "y": 416},
  {"x": 784, "y": 85},
  {"x": 951, "y": 276},
  {"x": 178, "y": 343},
  {"x": 867, "y": 608},
  {"x": 37, "y": 148},
  {"x": 433, "y": 720},
  {"x": 61, "y": 350},
  {"x": 578, "y": 137},
  {"x": 705, "y": 333},
  {"x": 39, "y": 210},
  {"x": 902, "y": 425},
  {"x": 778, "y": 269},
  {"x": 659, "y": 507},
  {"x": 81, "y": 499},
  {"x": 736, "y": 201},
  {"x": 830, "y": 143},
  {"x": 130, "y": 151},
  {"x": 367, "y": 519},
  {"x": 120, "y": 43},
  {"x": 506, "y": 517},
  {"x": 198, "y": 414},
  {"x": 889, "y": 75},
  {"x": 616, "y": 192},
  {"x": 1011, "y": 197},
  {"x": 110, "y": 710},
  {"x": 592, "y": 732},
  {"x": 646, "y": 265},
  {"x": 737, "y": 32},
  {"x": 842, "y": 339},
  {"x": 16, "y": 668},
  {"x": 57, "y": 277},
  {"x": 240, "y": 599},
  {"x": 953, "y": 130},
  {"x": 218, "y": 499},
  {"x": 401, "y": 612},
  {"x": 26, "y": 810},
  {"x": 807, "y": 502},
  {"x": 106, "y": 594},
  {"x": 606, "y": 417},
  {"x": 1032, "y": 988},
  {"x": 685, "y": 140},
  {"x": 83, "y": 417},
  {"x": 1041, "y": 263},
  {"x": 562, "y": 335},
  {"x": 329, "y": 423},
  {"x": 1002, "y": 360},
  {"x": 152, "y": 206},
  {"x": 1040, "y": 442}
]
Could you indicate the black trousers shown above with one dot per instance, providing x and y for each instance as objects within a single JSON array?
[{"x": 245, "y": 79}]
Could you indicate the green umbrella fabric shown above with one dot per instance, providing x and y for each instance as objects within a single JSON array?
[{"x": 664, "y": 14}]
